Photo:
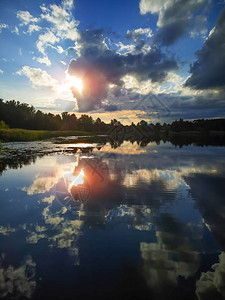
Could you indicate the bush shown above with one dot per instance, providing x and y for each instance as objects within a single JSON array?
[{"x": 3, "y": 125}]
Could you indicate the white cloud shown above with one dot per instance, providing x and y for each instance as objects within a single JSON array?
[
  {"x": 124, "y": 49},
  {"x": 65, "y": 25},
  {"x": 26, "y": 18},
  {"x": 32, "y": 28},
  {"x": 46, "y": 39},
  {"x": 68, "y": 4},
  {"x": 38, "y": 77},
  {"x": 43, "y": 60},
  {"x": 140, "y": 87},
  {"x": 72, "y": 34},
  {"x": 140, "y": 31},
  {"x": 15, "y": 30},
  {"x": 63, "y": 62},
  {"x": 200, "y": 26},
  {"x": 1, "y": 71},
  {"x": 59, "y": 49},
  {"x": 153, "y": 6},
  {"x": 3, "y": 26},
  {"x": 211, "y": 31},
  {"x": 20, "y": 52}
]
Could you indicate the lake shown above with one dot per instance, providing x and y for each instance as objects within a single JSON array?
[{"x": 102, "y": 221}]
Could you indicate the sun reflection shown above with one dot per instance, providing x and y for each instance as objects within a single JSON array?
[
  {"x": 75, "y": 82},
  {"x": 79, "y": 179}
]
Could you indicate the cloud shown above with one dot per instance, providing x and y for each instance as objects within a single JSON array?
[
  {"x": 58, "y": 48},
  {"x": 1, "y": 71},
  {"x": 26, "y": 18},
  {"x": 63, "y": 26},
  {"x": 69, "y": 233},
  {"x": 49, "y": 218},
  {"x": 98, "y": 67},
  {"x": 32, "y": 28},
  {"x": 18, "y": 283},
  {"x": 61, "y": 17},
  {"x": 125, "y": 49},
  {"x": 64, "y": 105},
  {"x": 200, "y": 26},
  {"x": 208, "y": 71},
  {"x": 3, "y": 26},
  {"x": 49, "y": 199},
  {"x": 43, "y": 60},
  {"x": 111, "y": 107},
  {"x": 45, "y": 40},
  {"x": 211, "y": 284},
  {"x": 38, "y": 77},
  {"x": 137, "y": 33},
  {"x": 174, "y": 17},
  {"x": 15, "y": 30},
  {"x": 6, "y": 230},
  {"x": 71, "y": 51},
  {"x": 41, "y": 185},
  {"x": 34, "y": 237},
  {"x": 60, "y": 105}
]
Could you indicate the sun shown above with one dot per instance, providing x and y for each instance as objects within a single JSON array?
[{"x": 73, "y": 81}]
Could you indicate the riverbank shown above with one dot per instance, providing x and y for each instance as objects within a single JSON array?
[{"x": 24, "y": 135}]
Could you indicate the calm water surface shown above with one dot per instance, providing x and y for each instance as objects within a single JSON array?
[{"x": 114, "y": 223}]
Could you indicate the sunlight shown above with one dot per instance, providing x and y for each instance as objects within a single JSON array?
[
  {"x": 79, "y": 179},
  {"x": 73, "y": 81}
]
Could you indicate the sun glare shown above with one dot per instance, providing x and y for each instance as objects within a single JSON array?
[
  {"x": 79, "y": 179},
  {"x": 73, "y": 81}
]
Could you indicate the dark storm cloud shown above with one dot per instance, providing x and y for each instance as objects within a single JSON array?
[
  {"x": 111, "y": 107},
  {"x": 169, "y": 34},
  {"x": 171, "y": 106},
  {"x": 175, "y": 17},
  {"x": 98, "y": 67},
  {"x": 209, "y": 69}
]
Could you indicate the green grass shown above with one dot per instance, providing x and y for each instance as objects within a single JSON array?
[{"x": 23, "y": 135}]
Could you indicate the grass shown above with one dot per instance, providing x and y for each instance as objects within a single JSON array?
[{"x": 23, "y": 135}]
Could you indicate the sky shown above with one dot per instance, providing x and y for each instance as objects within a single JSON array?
[{"x": 157, "y": 60}]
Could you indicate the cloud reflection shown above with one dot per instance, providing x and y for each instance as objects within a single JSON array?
[
  {"x": 18, "y": 282},
  {"x": 211, "y": 285}
]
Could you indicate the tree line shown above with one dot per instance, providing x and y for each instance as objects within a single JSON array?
[
  {"x": 14, "y": 114},
  {"x": 22, "y": 115}
]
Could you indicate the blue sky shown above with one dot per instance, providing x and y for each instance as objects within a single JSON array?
[{"x": 147, "y": 59}]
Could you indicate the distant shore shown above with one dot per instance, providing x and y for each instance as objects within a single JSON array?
[{"x": 24, "y": 135}]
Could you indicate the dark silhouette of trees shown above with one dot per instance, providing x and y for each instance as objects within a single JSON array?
[{"x": 22, "y": 115}]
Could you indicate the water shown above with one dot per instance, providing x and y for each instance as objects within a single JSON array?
[{"x": 142, "y": 223}]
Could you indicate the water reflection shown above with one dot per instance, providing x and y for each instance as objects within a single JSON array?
[
  {"x": 18, "y": 282},
  {"x": 133, "y": 222},
  {"x": 211, "y": 284}
]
